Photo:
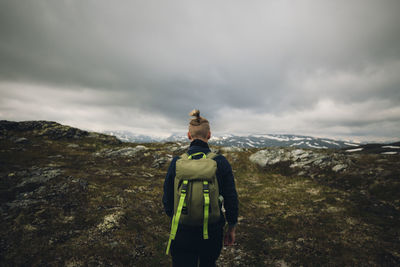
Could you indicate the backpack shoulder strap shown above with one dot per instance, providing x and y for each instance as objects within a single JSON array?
[
  {"x": 184, "y": 156},
  {"x": 209, "y": 155}
]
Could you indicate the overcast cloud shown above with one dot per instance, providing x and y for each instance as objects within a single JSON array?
[{"x": 323, "y": 68}]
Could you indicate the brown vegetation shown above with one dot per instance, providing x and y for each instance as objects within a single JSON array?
[{"x": 74, "y": 198}]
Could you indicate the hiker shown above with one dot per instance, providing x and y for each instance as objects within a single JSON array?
[{"x": 196, "y": 185}]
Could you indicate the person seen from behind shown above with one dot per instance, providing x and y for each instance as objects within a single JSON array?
[{"x": 196, "y": 186}]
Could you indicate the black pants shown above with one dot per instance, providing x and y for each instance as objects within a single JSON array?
[{"x": 189, "y": 247}]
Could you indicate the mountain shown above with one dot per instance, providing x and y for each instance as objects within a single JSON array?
[
  {"x": 127, "y": 136},
  {"x": 279, "y": 140},
  {"x": 247, "y": 141},
  {"x": 70, "y": 197}
]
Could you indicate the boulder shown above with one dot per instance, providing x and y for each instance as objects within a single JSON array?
[
  {"x": 306, "y": 160},
  {"x": 339, "y": 167},
  {"x": 269, "y": 157}
]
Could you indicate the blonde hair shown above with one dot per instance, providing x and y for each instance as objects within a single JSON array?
[{"x": 199, "y": 127}]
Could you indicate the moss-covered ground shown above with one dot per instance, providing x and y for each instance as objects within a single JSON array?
[{"x": 107, "y": 211}]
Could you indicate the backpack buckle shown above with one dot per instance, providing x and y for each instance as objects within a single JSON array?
[
  {"x": 184, "y": 187},
  {"x": 206, "y": 187}
]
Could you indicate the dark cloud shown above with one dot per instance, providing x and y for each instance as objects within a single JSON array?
[{"x": 278, "y": 62}]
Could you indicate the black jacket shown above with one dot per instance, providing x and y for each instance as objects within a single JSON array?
[{"x": 226, "y": 183}]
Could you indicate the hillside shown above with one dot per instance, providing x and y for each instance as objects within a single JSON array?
[{"x": 74, "y": 198}]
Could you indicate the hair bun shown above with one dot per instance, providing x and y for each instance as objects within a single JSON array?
[
  {"x": 195, "y": 113},
  {"x": 199, "y": 127}
]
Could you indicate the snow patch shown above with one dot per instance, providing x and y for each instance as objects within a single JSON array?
[
  {"x": 354, "y": 150},
  {"x": 276, "y": 138},
  {"x": 330, "y": 142},
  {"x": 393, "y": 147},
  {"x": 297, "y": 144},
  {"x": 250, "y": 141},
  {"x": 297, "y": 138},
  {"x": 314, "y": 146},
  {"x": 389, "y": 153},
  {"x": 350, "y": 144}
]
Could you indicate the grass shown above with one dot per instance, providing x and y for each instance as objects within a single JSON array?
[{"x": 329, "y": 220}]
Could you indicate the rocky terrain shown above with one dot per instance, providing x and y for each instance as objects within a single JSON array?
[{"x": 75, "y": 198}]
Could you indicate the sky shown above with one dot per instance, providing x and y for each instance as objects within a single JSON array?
[{"x": 310, "y": 67}]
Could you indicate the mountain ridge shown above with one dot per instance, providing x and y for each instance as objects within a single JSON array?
[
  {"x": 245, "y": 141},
  {"x": 56, "y": 130}
]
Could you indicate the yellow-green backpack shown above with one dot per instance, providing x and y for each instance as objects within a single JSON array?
[{"x": 196, "y": 193}]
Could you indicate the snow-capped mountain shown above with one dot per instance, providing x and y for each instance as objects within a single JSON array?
[
  {"x": 126, "y": 136},
  {"x": 278, "y": 140},
  {"x": 247, "y": 141}
]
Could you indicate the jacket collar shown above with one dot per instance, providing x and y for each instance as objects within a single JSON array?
[{"x": 199, "y": 143}]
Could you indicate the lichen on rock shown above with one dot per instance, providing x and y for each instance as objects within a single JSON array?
[{"x": 110, "y": 222}]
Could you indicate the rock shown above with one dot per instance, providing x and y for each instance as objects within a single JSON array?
[
  {"x": 30, "y": 228},
  {"x": 299, "y": 158},
  {"x": 21, "y": 140},
  {"x": 298, "y": 154},
  {"x": 339, "y": 167},
  {"x": 56, "y": 157},
  {"x": 173, "y": 148},
  {"x": 110, "y": 222},
  {"x": 229, "y": 149},
  {"x": 178, "y": 148},
  {"x": 40, "y": 176},
  {"x": 160, "y": 162},
  {"x": 122, "y": 152},
  {"x": 303, "y": 162},
  {"x": 269, "y": 157},
  {"x": 72, "y": 146},
  {"x": 320, "y": 160},
  {"x": 147, "y": 174},
  {"x": 259, "y": 158}
]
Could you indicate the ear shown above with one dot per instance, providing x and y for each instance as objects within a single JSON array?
[
  {"x": 209, "y": 135},
  {"x": 189, "y": 136}
]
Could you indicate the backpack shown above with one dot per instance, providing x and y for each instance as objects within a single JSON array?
[{"x": 196, "y": 193}]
